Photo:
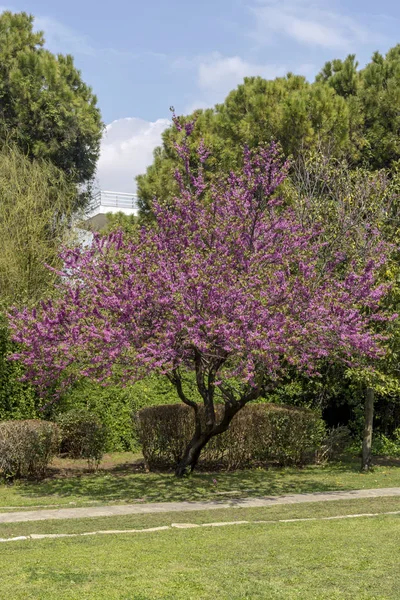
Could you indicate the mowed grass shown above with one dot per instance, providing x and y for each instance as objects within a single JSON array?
[
  {"x": 348, "y": 559},
  {"x": 124, "y": 482}
]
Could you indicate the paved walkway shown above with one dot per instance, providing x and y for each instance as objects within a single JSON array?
[{"x": 164, "y": 507}]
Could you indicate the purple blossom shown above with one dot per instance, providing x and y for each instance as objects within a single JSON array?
[{"x": 232, "y": 280}]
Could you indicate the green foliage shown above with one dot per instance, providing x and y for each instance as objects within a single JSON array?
[
  {"x": 330, "y": 192},
  {"x": 382, "y": 445},
  {"x": 259, "y": 434},
  {"x": 36, "y": 204},
  {"x": 119, "y": 220},
  {"x": 17, "y": 399},
  {"x": 373, "y": 97},
  {"x": 115, "y": 406},
  {"x": 325, "y": 191},
  {"x": 27, "y": 447},
  {"x": 385, "y": 446},
  {"x": 83, "y": 435},
  {"x": 341, "y": 75},
  {"x": 345, "y": 112},
  {"x": 45, "y": 107},
  {"x": 290, "y": 110}
]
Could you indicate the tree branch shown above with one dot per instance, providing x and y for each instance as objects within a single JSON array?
[{"x": 176, "y": 381}]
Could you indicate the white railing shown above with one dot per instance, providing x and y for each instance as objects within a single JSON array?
[{"x": 114, "y": 200}]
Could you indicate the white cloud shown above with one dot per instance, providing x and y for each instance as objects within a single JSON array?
[
  {"x": 126, "y": 150},
  {"x": 217, "y": 75},
  {"x": 223, "y": 73},
  {"x": 308, "y": 22}
]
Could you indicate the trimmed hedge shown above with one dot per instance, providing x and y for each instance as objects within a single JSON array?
[
  {"x": 259, "y": 434},
  {"x": 83, "y": 435},
  {"x": 27, "y": 447}
]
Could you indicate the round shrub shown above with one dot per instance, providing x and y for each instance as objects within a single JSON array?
[
  {"x": 83, "y": 435},
  {"x": 259, "y": 434},
  {"x": 27, "y": 447}
]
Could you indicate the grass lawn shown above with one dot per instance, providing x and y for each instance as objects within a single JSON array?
[
  {"x": 121, "y": 480},
  {"x": 347, "y": 559}
]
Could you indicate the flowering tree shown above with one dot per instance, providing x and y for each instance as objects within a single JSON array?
[{"x": 227, "y": 283}]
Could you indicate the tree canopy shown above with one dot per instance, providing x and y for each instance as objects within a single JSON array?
[
  {"x": 234, "y": 289},
  {"x": 45, "y": 107},
  {"x": 345, "y": 112},
  {"x": 36, "y": 203},
  {"x": 373, "y": 97}
]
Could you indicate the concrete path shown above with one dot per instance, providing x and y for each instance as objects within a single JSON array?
[{"x": 164, "y": 507}]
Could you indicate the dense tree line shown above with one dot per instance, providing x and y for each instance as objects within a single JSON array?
[{"x": 346, "y": 112}]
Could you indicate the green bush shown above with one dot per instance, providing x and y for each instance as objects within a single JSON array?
[
  {"x": 27, "y": 447},
  {"x": 114, "y": 405},
  {"x": 384, "y": 446},
  {"x": 259, "y": 434},
  {"x": 83, "y": 435},
  {"x": 17, "y": 398}
]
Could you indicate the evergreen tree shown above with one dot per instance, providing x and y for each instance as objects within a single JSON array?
[{"x": 45, "y": 107}]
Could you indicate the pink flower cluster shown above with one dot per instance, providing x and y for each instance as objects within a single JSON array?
[{"x": 227, "y": 276}]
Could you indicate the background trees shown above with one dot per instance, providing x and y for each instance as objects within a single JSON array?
[
  {"x": 50, "y": 130},
  {"x": 346, "y": 203},
  {"x": 373, "y": 97},
  {"x": 45, "y": 107},
  {"x": 289, "y": 110},
  {"x": 346, "y": 112},
  {"x": 36, "y": 205}
]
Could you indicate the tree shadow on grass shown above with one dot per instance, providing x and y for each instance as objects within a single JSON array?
[{"x": 122, "y": 485}]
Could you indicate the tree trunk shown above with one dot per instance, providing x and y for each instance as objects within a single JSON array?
[
  {"x": 205, "y": 431},
  {"x": 200, "y": 439},
  {"x": 191, "y": 455},
  {"x": 368, "y": 426}
]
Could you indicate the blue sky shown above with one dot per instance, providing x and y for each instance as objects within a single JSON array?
[{"x": 142, "y": 57}]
